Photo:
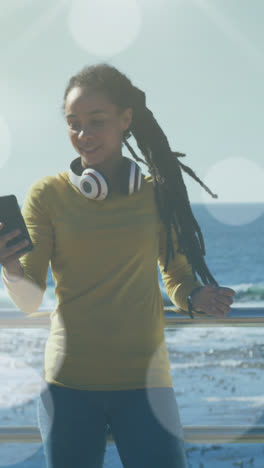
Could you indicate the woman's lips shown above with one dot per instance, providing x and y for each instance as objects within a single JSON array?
[{"x": 89, "y": 151}]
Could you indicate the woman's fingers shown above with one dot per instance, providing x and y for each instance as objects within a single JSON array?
[
  {"x": 13, "y": 249},
  {"x": 12, "y": 259},
  {"x": 222, "y": 299},
  {"x": 221, "y": 308},
  {"x": 226, "y": 291},
  {"x": 216, "y": 312},
  {"x": 225, "y": 300},
  {"x": 8, "y": 254},
  {"x": 220, "y": 291},
  {"x": 6, "y": 237},
  {"x": 214, "y": 300}
]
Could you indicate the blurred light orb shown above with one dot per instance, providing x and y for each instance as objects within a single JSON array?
[
  {"x": 20, "y": 385},
  {"x": 238, "y": 182},
  {"x": 104, "y": 27},
  {"x": 170, "y": 421},
  {"x": 5, "y": 142}
]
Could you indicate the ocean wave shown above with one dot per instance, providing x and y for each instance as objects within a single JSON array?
[{"x": 249, "y": 292}]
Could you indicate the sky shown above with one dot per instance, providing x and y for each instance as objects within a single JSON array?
[{"x": 199, "y": 62}]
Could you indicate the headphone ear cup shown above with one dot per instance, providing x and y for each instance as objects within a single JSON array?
[
  {"x": 130, "y": 181},
  {"x": 93, "y": 185}
]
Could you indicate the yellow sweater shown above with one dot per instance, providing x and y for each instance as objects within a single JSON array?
[{"x": 107, "y": 332}]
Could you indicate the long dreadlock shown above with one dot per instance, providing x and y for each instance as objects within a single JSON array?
[{"x": 170, "y": 192}]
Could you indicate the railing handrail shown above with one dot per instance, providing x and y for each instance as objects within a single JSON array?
[
  {"x": 238, "y": 316},
  {"x": 192, "y": 434}
]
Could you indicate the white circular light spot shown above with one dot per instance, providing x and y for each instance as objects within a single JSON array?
[
  {"x": 5, "y": 142},
  {"x": 168, "y": 417},
  {"x": 21, "y": 383},
  {"x": 104, "y": 27},
  {"x": 238, "y": 182}
]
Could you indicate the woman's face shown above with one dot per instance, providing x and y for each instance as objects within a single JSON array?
[{"x": 94, "y": 126}]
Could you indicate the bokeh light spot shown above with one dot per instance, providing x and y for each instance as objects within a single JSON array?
[
  {"x": 168, "y": 417},
  {"x": 104, "y": 27},
  {"x": 238, "y": 182},
  {"x": 21, "y": 384}
]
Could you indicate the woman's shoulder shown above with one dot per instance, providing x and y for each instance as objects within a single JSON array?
[
  {"x": 42, "y": 182},
  {"x": 43, "y": 186}
]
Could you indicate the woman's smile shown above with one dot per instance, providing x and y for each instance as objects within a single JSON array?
[{"x": 86, "y": 151}]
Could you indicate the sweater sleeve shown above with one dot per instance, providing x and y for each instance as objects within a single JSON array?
[
  {"x": 179, "y": 280},
  {"x": 27, "y": 292}
]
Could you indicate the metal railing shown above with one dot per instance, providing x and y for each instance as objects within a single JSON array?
[{"x": 237, "y": 317}]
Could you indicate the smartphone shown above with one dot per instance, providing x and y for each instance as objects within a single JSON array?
[{"x": 11, "y": 216}]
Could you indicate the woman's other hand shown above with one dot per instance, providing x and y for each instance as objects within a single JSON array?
[{"x": 213, "y": 300}]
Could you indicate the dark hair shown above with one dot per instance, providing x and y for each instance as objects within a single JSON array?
[{"x": 170, "y": 191}]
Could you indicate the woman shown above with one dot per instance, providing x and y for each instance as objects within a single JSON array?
[{"x": 104, "y": 227}]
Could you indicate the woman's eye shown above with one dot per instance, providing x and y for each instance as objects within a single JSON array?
[
  {"x": 73, "y": 125},
  {"x": 76, "y": 126}
]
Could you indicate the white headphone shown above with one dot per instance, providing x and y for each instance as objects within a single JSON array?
[{"x": 93, "y": 185}]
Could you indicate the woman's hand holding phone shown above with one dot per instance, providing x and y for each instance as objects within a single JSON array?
[{"x": 9, "y": 256}]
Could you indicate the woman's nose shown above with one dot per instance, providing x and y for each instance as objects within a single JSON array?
[{"x": 85, "y": 134}]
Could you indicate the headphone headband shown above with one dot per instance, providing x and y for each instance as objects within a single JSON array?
[{"x": 93, "y": 185}]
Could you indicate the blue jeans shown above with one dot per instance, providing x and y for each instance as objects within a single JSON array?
[{"x": 144, "y": 423}]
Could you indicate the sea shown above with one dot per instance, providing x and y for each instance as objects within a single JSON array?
[{"x": 217, "y": 372}]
